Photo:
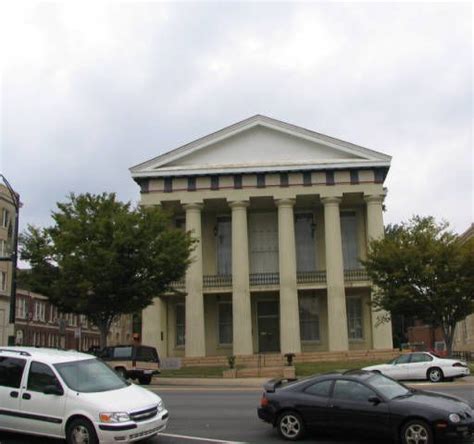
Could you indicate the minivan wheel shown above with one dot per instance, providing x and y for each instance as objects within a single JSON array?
[
  {"x": 417, "y": 432},
  {"x": 435, "y": 374},
  {"x": 144, "y": 380},
  {"x": 291, "y": 426},
  {"x": 81, "y": 431}
]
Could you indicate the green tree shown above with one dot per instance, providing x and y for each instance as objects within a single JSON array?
[
  {"x": 422, "y": 269},
  {"x": 103, "y": 258}
]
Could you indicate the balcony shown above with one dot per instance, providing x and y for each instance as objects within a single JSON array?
[{"x": 316, "y": 279}]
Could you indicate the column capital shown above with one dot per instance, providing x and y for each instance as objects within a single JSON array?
[
  {"x": 193, "y": 206},
  {"x": 239, "y": 204},
  {"x": 285, "y": 202},
  {"x": 374, "y": 198},
  {"x": 331, "y": 200}
]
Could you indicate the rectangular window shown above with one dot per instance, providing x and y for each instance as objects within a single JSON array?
[
  {"x": 225, "y": 323},
  {"x": 309, "y": 317},
  {"x": 21, "y": 308},
  {"x": 329, "y": 177},
  {"x": 263, "y": 242},
  {"x": 41, "y": 376},
  {"x": 379, "y": 175},
  {"x": 354, "y": 177},
  {"x": 284, "y": 180},
  {"x": 354, "y": 318},
  {"x": 260, "y": 180},
  {"x": 5, "y": 217},
  {"x": 11, "y": 371},
  {"x": 350, "y": 250},
  {"x": 144, "y": 185},
  {"x": 180, "y": 325},
  {"x": 304, "y": 238},
  {"x": 3, "y": 281},
  {"x": 168, "y": 184},
  {"x": 180, "y": 223},
  {"x": 3, "y": 248},
  {"x": 214, "y": 182},
  {"x": 224, "y": 246},
  {"x": 191, "y": 184},
  {"x": 238, "y": 181},
  {"x": 307, "y": 178}
]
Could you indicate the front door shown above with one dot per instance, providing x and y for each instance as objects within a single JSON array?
[{"x": 268, "y": 326}]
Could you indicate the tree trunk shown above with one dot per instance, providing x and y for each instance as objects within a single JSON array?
[
  {"x": 104, "y": 331},
  {"x": 448, "y": 336}
]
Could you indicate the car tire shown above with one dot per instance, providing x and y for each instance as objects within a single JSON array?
[
  {"x": 435, "y": 374},
  {"x": 81, "y": 431},
  {"x": 416, "y": 431},
  {"x": 144, "y": 380},
  {"x": 122, "y": 372},
  {"x": 291, "y": 426}
]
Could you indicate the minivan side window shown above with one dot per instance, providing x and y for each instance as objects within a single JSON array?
[
  {"x": 11, "y": 371},
  {"x": 40, "y": 376}
]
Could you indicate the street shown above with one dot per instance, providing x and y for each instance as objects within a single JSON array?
[{"x": 210, "y": 415}]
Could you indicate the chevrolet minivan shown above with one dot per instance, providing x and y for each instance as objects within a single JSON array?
[{"x": 73, "y": 396}]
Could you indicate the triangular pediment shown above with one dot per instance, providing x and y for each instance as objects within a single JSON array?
[{"x": 260, "y": 143}]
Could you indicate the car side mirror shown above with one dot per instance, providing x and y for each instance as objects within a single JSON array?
[
  {"x": 53, "y": 390},
  {"x": 375, "y": 400}
]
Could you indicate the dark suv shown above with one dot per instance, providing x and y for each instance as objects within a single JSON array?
[{"x": 132, "y": 361}]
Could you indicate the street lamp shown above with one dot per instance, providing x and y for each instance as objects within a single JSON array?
[{"x": 14, "y": 254}]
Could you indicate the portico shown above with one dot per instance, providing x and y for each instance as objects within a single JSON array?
[{"x": 277, "y": 263}]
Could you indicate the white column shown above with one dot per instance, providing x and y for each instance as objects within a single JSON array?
[
  {"x": 195, "y": 337},
  {"x": 381, "y": 333},
  {"x": 337, "y": 315},
  {"x": 289, "y": 312},
  {"x": 154, "y": 326},
  {"x": 241, "y": 307}
]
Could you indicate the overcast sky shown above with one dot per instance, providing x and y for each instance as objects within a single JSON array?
[{"x": 91, "y": 89}]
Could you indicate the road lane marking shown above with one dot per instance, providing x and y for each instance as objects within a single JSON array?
[{"x": 197, "y": 438}]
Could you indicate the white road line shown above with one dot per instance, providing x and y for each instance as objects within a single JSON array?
[{"x": 197, "y": 438}]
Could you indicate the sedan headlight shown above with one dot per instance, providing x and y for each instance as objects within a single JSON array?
[
  {"x": 114, "y": 417},
  {"x": 161, "y": 406},
  {"x": 454, "y": 418}
]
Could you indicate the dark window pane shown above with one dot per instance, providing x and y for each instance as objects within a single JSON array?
[
  {"x": 147, "y": 354},
  {"x": 307, "y": 178},
  {"x": 260, "y": 180},
  {"x": 322, "y": 388},
  {"x": 123, "y": 352},
  {"x": 329, "y": 177},
  {"x": 238, "y": 181},
  {"x": 180, "y": 324},
  {"x": 225, "y": 323},
  {"x": 351, "y": 391},
  {"x": 379, "y": 175},
  {"x": 284, "y": 180},
  {"x": 354, "y": 177},
  {"x": 191, "y": 184},
  {"x": 168, "y": 184},
  {"x": 214, "y": 182},
  {"x": 40, "y": 377},
  {"x": 11, "y": 371}
]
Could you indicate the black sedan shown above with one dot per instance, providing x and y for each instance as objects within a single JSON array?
[{"x": 362, "y": 401}]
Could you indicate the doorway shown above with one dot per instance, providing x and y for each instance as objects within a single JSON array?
[{"x": 268, "y": 322}]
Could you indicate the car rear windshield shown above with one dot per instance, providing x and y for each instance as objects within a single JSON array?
[
  {"x": 89, "y": 376},
  {"x": 147, "y": 354}
]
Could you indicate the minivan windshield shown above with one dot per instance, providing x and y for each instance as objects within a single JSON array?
[{"x": 89, "y": 376}]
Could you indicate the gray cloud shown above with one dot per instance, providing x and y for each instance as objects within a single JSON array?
[{"x": 90, "y": 90}]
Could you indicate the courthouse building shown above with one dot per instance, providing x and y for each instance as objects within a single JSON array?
[{"x": 283, "y": 215}]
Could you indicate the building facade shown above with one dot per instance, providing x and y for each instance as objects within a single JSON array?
[
  {"x": 282, "y": 216},
  {"x": 8, "y": 215},
  {"x": 39, "y": 323}
]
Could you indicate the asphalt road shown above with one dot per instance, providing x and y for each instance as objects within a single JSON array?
[{"x": 207, "y": 415}]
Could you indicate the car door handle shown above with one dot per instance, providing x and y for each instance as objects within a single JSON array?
[
  {"x": 14, "y": 394},
  {"x": 26, "y": 396}
]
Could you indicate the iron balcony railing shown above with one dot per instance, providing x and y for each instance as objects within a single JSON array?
[
  {"x": 311, "y": 277},
  {"x": 358, "y": 274},
  {"x": 261, "y": 279}
]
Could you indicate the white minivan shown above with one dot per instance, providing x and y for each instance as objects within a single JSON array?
[{"x": 73, "y": 396}]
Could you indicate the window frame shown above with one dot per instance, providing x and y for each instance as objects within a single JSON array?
[
  {"x": 220, "y": 323},
  {"x": 30, "y": 367},
  {"x": 310, "y": 320},
  {"x": 14, "y": 358},
  {"x": 351, "y": 299}
]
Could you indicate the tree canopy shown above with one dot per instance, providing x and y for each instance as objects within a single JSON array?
[
  {"x": 103, "y": 258},
  {"x": 424, "y": 270}
]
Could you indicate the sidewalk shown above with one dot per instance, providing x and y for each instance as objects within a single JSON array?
[{"x": 258, "y": 382}]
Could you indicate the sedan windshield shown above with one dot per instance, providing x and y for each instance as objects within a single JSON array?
[
  {"x": 89, "y": 376},
  {"x": 387, "y": 387}
]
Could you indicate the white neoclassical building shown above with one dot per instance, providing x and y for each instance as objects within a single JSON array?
[{"x": 283, "y": 215}]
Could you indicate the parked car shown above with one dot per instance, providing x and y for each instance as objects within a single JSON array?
[
  {"x": 73, "y": 396},
  {"x": 422, "y": 365},
  {"x": 132, "y": 361},
  {"x": 366, "y": 402}
]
